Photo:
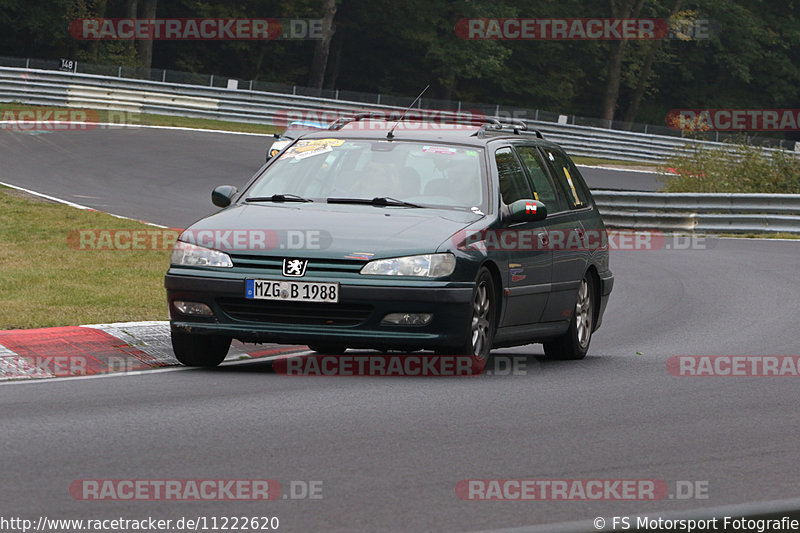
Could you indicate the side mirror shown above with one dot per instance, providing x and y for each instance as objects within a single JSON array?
[
  {"x": 527, "y": 211},
  {"x": 223, "y": 195}
]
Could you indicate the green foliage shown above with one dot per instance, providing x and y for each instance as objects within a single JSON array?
[
  {"x": 750, "y": 61},
  {"x": 738, "y": 169}
]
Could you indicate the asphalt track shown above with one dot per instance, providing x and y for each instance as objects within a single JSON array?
[
  {"x": 390, "y": 451},
  {"x": 165, "y": 176}
]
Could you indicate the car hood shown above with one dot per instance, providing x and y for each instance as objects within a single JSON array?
[{"x": 333, "y": 231}]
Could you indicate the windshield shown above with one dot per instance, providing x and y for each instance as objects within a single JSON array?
[{"x": 421, "y": 173}]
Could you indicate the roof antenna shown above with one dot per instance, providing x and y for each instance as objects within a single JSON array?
[{"x": 390, "y": 135}]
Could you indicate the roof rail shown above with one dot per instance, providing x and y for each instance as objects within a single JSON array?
[
  {"x": 341, "y": 122},
  {"x": 516, "y": 125},
  {"x": 486, "y": 123}
]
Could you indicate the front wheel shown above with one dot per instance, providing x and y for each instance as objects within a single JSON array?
[
  {"x": 575, "y": 342},
  {"x": 478, "y": 342},
  {"x": 200, "y": 350}
]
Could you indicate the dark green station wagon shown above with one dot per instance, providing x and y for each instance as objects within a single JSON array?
[{"x": 404, "y": 235}]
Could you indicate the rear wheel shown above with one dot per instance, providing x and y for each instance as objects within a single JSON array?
[
  {"x": 480, "y": 337},
  {"x": 575, "y": 342},
  {"x": 200, "y": 350}
]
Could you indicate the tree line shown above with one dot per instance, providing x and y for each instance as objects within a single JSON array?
[{"x": 745, "y": 57}]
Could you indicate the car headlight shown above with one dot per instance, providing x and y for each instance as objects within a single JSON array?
[
  {"x": 427, "y": 266},
  {"x": 185, "y": 254}
]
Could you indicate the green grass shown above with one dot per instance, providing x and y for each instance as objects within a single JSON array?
[
  {"x": 600, "y": 161},
  {"x": 742, "y": 169},
  {"x": 779, "y": 235},
  {"x": 117, "y": 117},
  {"x": 45, "y": 282}
]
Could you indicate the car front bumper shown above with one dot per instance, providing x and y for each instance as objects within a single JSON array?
[{"x": 354, "y": 322}]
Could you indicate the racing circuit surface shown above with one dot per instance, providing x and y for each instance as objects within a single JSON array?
[
  {"x": 166, "y": 176},
  {"x": 390, "y": 451}
]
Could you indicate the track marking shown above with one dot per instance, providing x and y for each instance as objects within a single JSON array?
[
  {"x": 615, "y": 169},
  {"x": 74, "y": 205},
  {"x": 123, "y": 126}
]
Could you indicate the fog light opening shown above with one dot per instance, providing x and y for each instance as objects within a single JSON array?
[
  {"x": 407, "y": 319},
  {"x": 192, "y": 308}
]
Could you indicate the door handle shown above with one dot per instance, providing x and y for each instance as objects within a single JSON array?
[{"x": 544, "y": 240}]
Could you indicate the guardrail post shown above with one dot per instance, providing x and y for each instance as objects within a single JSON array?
[
  {"x": 336, "y": 97},
  {"x": 379, "y": 98},
  {"x": 119, "y": 71},
  {"x": 28, "y": 63},
  {"x": 251, "y": 85},
  {"x": 164, "y": 76},
  {"x": 211, "y": 83},
  {"x": 294, "y": 89}
]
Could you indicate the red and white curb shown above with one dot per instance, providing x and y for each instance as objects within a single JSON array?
[{"x": 74, "y": 351}]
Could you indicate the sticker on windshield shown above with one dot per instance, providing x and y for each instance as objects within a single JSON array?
[
  {"x": 311, "y": 147},
  {"x": 572, "y": 187},
  {"x": 439, "y": 150}
]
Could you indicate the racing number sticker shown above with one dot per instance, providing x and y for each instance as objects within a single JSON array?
[{"x": 312, "y": 147}]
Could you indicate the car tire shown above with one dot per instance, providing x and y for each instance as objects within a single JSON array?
[
  {"x": 328, "y": 349},
  {"x": 482, "y": 325},
  {"x": 574, "y": 343},
  {"x": 200, "y": 350}
]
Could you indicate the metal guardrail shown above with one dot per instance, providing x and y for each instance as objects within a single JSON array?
[
  {"x": 700, "y": 212},
  {"x": 46, "y": 87}
]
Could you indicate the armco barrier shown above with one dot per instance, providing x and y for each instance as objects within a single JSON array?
[
  {"x": 49, "y": 87},
  {"x": 700, "y": 212}
]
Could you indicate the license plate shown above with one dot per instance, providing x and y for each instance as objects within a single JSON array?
[{"x": 292, "y": 291}]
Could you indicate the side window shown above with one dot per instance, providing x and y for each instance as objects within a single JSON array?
[
  {"x": 564, "y": 170},
  {"x": 513, "y": 184},
  {"x": 544, "y": 191}
]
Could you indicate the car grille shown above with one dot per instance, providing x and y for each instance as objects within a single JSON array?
[
  {"x": 274, "y": 265},
  {"x": 277, "y": 312}
]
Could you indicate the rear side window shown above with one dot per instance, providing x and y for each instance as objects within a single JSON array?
[
  {"x": 513, "y": 184},
  {"x": 568, "y": 178},
  {"x": 544, "y": 191}
]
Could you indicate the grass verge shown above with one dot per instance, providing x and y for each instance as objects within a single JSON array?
[
  {"x": 45, "y": 282},
  {"x": 738, "y": 169},
  {"x": 792, "y": 236},
  {"x": 597, "y": 161}
]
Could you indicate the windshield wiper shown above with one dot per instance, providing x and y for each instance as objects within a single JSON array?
[
  {"x": 278, "y": 198},
  {"x": 381, "y": 201}
]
